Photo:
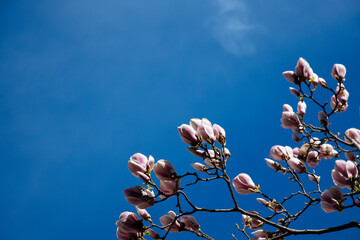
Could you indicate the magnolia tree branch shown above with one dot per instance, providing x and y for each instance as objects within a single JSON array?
[{"x": 207, "y": 142}]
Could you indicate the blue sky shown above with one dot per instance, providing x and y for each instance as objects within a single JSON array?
[{"x": 86, "y": 84}]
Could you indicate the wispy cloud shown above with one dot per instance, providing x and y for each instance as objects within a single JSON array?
[{"x": 231, "y": 27}]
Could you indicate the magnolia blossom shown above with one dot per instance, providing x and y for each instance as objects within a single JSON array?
[
  {"x": 340, "y": 101},
  {"x": 278, "y": 152},
  {"x": 140, "y": 166},
  {"x": 170, "y": 219},
  {"x": 196, "y": 151},
  {"x": 291, "y": 77},
  {"x": 350, "y": 156},
  {"x": 314, "y": 178},
  {"x": 206, "y": 133},
  {"x": 275, "y": 165},
  {"x": 261, "y": 235},
  {"x": 211, "y": 160},
  {"x": 252, "y": 222},
  {"x": 313, "y": 159},
  {"x": 295, "y": 92},
  {"x": 291, "y": 121},
  {"x": 199, "y": 167},
  {"x": 352, "y": 134},
  {"x": 153, "y": 234},
  {"x": 332, "y": 200},
  {"x": 243, "y": 184},
  {"x": 344, "y": 174},
  {"x": 323, "y": 83},
  {"x": 219, "y": 133},
  {"x": 303, "y": 70},
  {"x": 139, "y": 196},
  {"x": 324, "y": 119},
  {"x": 188, "y": 134},
  {"x": 297, "y": 165},
  {"x": 273, "y": 205},
  {"x": 164, "y": 170},
  {"x": 143, "y": 214},
  {"x": 190, "y": 223},
  {"x": 128, "y": 226},
  {"x": 169, "y": 187},
  {"x": 338, "y": 72},
  {"x": 327, "y": 151},
  {"x": 301, "y": 107}
]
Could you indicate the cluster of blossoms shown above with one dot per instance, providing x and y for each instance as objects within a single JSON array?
[{"x": 207, "y": 142}]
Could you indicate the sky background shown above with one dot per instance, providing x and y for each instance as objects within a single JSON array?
[{"x": 86, "y": 84}]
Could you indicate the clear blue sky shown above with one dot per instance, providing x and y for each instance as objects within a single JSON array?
[{"x": 86, "y": 84}]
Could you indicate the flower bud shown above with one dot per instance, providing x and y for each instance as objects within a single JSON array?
[
  {"x": 196, "y": 151},
  {"x": 344, "y": 173},
  {"x": 324, "y": 119},
  {"x": 168, "y": 219},
  {"x": 332, "y": 200},
  {"x": 297, "y": 165},
  {"x": 279, "y": 153},
  {"x": 274, "y": 165},
  {"x": 290, "y": 120},
  {"x": 143, "y": 214},
  {"x": 164, "y": 170},
  {"x": 243, "y": 184},
  {"x": 188, "y": 134},
  {"x": 303, "y": 69},
  {"x": 338, "y": 72},
  {"x": 290, "y": 76},
  {"x": 153, "y": 234},
  {"x": 326, "y": 151},
  {"x": 194, "y": 123},
  {"x": 313, "y": 159},
  {"x": 295, "y": 92},
  {"x": 199, "y": 167},
  {"x": 350, "y": 156},
  {"x": 169, "y": 187},
  {"x": 190, "y": 223},
  {"x": 139, "y": 197},
  {"x": 139, "y": 163},
  {"x": 219, "y": 133},
  {"x": 314, "y": 178},
  {"x": 352, "y": 134},
  {"x": 263, "y": 202},
  {"x": 227, "y": 153},
  {"x": 129, "y": 223},
  {"x": 252, "y": 222},
  {"x": 205, "y": 133},
  {"x": 301, "y": 107},
  {"x": 323, "y": 83},
  {"x": 287, "y": 108}
]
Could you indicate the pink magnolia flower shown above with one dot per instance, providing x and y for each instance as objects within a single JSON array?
[
  {"x": 303, "y": 70},
  {"x": 340, "y": 101},
  {"x": 314, "y": 178},
  {"x": 243, "y": 184},
  {"x": 153, "y": 234},
  {"x": 301, "y": 107},
  {"x": 297, "y": 165},
  {"x": 338, "y": 72},
  {"x": 274, "y": 165},
  {"x": 139, "y": 196},
  {"x": 287, "y": 108},
  {"x": 190, "y": 223},
  {"x": 295, "y": 92},
  {"x": 196, "y": 151},
  {"x": 350, "y": 156},
  {"x": 344, "y": 173},
  {"x": 290, "y": 76},
  {"x": 139, "y": 163},
  {"x": 188, "y": 134},
  {"x": 252, "y": 222},
  {"x": 211, "y": 160},
  {"x": 169, "y": 187},
  {"x": 128, "y": 226},
  {"x": 324, "y": 119},
  {"x": 170, "y": 219},
  {"x": 143, "y": 214},
  {"x": 323, "y": 83},
  {"x": 164, "y": 170},
  {"x": 291, "y": 121},
  {"x": 332, "y": 200},
  {"x": 199, "y": 167},
  {"x": 219, "y": 133},
  {"x": 278, "y": 152},
  {"x": 313, "y": 159},
  {"x": 327, "y": 151},
  {"x": 352, "y": 134},
  {"x": 205, "y": 133}
]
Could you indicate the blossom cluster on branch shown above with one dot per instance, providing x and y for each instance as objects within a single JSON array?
[{"x": 207, "y": 141}]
